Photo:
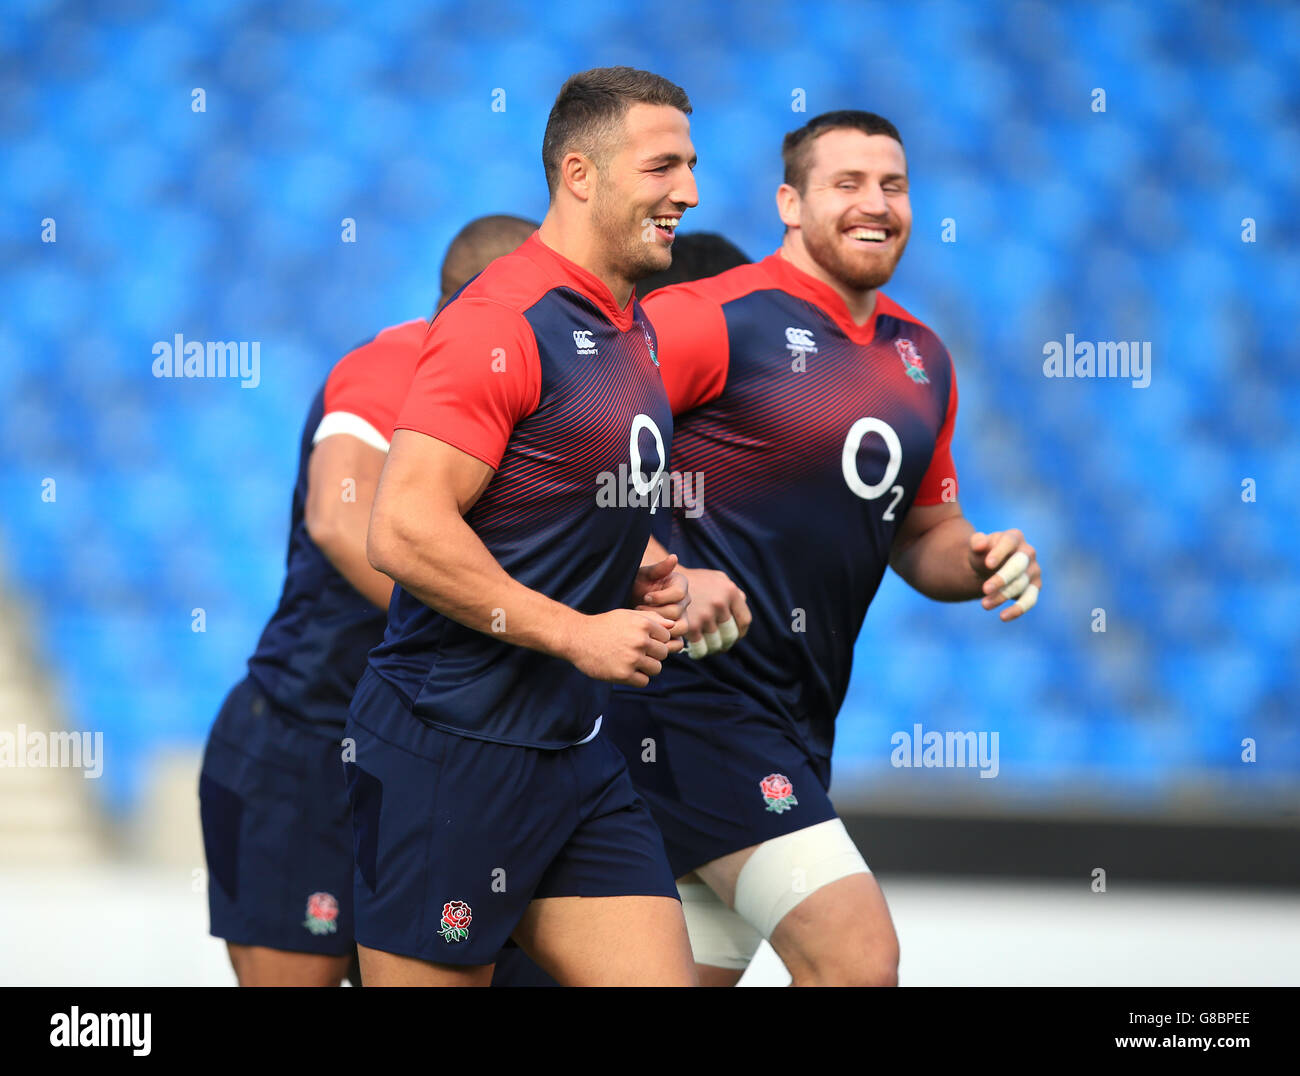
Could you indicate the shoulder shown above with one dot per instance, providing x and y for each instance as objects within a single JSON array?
[
  {"x": 909, "y": 322},
  {"x": 714, "y": 290},
  {"x": 394, "y": 343}
]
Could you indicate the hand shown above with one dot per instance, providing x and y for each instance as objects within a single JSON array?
[
  {"x": 660, "y": 589},
  {"x": 718, "y": 615},
  {"x": 622, "y": 646},
  {"x": 1009, "y": 567}
]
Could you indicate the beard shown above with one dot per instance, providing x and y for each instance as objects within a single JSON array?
[
  {"x": 867, "y": 271},
  {"x": 627, "y": 253}
]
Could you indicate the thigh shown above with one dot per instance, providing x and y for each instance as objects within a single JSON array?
[
  {"x": 811, "y": 894},
  {"x": 606, "y": 912},
  {"x": 379, "y": 968},
  {"x": 722, "y": 941},
  {"x": 609, "y": 941},
  {"x": 256, "y": 965},
  {"x": 840, "y": 935}
]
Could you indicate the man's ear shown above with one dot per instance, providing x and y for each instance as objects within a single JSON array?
[
  {"x": 577, "y": 175},
  {"x": 788, "y": 205}
]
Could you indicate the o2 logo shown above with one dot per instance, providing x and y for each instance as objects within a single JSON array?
[
  {"x": 849, "y": 462},
  {"x": 640, "y": 484}
]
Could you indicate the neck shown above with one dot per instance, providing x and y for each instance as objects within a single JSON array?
[
  {"x": 861, "y": 303},
  {"x": 575, "y": 241}
]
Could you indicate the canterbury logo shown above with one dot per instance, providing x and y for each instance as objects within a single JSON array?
[
  {"x": 582, "y": 341},
  {"x": 800, "y": 341}
]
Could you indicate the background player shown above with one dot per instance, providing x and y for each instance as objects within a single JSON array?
[
  {"x": 820, "y": 414},
  {"x": 276, "y": 824},
  {"x": 485, "y": 802}
]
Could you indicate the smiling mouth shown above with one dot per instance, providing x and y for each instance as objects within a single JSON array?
[
  {"x": 867, "y": 235},
  {"x": 666, "y": 226}
]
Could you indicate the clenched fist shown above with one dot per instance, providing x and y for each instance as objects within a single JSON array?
[{"x": 623, "y": 646}]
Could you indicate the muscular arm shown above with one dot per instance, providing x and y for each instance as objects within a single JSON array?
[
  {"x": 939, "y": 553},
  {"x": 342, "y": 474},
  {"x": 418, "y": 536},
  {"x": 931, "y": 553}
]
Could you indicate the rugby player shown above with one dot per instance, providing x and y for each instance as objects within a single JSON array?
[
  {"x": 277, "y": 829},
  {"x": 695, "y": 255},
  {"x": 820, "y": 415},
  {"x": 487, "y": 803}
]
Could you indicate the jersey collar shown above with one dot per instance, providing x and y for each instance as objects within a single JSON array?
[
  {"x": 587, "y": 284},
  {"x": 794, "y": 280}
]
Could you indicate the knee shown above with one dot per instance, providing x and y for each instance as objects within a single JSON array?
[{"x": 853, "y": 966}]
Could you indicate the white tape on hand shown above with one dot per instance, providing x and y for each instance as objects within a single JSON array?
[
  {"x": 696, "y": 648},
  {"x": 1028, "y": 600},
  {"x": 1015, "y": 565},
  {"x": 713, "y": 640},
  {"x": 1016, "y": 587},
  {"x": 729, "y": 633}
]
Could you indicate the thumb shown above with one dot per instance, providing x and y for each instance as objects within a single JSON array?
[{"x": 661, "y": 570}]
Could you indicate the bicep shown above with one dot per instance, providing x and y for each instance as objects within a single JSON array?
[
  {"x": 423, "y": 473},
  {"x": 919, "y": 519}
]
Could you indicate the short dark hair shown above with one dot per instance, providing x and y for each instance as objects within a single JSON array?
[
  {"x": 695, "y": 256},
  {"x": 478, "y": 244},
  {"x": 795, "y": 149},
  {"x": 589, "y": 110}
]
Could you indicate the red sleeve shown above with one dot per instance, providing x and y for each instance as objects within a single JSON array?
[
  {"x": 370, "y": 382},
  {"x": 940, "y": 482},
  {"x": 693, "y": 349},
  {"x": 478, "y": 377}
]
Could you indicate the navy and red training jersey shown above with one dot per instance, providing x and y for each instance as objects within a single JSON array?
[
  {"x": 536, "y": 371},
  {"x": 313, "y": 650},
  {"x": 809, "y": 438}
]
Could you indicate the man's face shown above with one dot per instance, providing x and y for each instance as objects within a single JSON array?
[
  {"x": 854, "y": 214},
  {"x": 643, "y": 190}
]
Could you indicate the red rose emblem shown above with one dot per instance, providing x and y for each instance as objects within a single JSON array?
[
  {"x": 456, "y": 913},
  {"x": 908, "y": 353},
  {"x": 776, "y": 786},
  {"x": 322, "y": 906}
]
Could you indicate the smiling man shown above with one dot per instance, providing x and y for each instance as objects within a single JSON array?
[
  {"x": 487, "y": 802},
  {"x": 820, "y": 414}
]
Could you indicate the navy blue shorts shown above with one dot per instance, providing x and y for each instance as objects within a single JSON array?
[
  {"x": 719, "y": 775},
  {"x": 454, "y": 836},
  {"x": 277, "y": 829}
]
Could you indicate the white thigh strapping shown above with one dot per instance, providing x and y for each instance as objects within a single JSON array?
[
  {"x": 718, "y": 935},
  {"x": 786, "y": 869}
]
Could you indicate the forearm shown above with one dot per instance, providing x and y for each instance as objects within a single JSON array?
[
  {"x": 344, "y": 546},
  {"x": 937, "y": 563},
  {"x": 450, "y": 570}
]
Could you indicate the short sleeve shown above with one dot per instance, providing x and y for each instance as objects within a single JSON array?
[
  {"x": 693, "y": 349},
  {"x": 367, "y": 386},
  {"x": 479, "y": 375},
  {"x": 940, "y": 481}
]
